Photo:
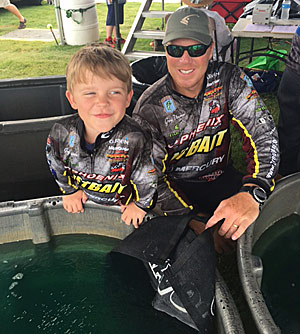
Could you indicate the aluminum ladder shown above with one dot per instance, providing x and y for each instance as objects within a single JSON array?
[{"x": 137, "y": 32}]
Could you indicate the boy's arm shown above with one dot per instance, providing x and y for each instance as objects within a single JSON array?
[
  {"x": 73, "y": 198},
  {"x": 132, "y": 214},
  {"x": 55, "y": 159},
  {"x": 73, "y": 202}
]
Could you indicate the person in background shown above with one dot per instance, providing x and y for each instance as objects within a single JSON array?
[
  {"x": 289, "y": 111},
  {"x": 188, "y": 113},
  {"x": 14, "y": 10},
  {"x": 111, "y": 33},
  {"x": 100, "y": 153}
]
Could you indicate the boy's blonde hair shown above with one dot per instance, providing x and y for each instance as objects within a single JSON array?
[{"x": 101, "y": 60}]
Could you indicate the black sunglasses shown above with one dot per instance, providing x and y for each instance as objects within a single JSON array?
[{"x": 177, "y": 51}]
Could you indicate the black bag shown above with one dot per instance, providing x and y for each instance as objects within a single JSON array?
[
  {"x": 181, "y": 266},
  {"x": 264, "y": 81}
]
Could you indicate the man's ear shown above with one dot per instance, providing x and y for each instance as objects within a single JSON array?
[
  {"x": 71, "y": 100},
  {"x": 212, "y": 29},
  {"x": 211, "y": 49}
]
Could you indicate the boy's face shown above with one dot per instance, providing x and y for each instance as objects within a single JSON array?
[{"x": 101, "y": 103}]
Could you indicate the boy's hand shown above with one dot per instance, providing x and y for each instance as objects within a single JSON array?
[
  {"x": 132, "y": 214},
  {"x": 73, "y": 203}
]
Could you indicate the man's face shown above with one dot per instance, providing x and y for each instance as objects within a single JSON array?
[
  {"x": 101, "y": 103},
  {"x": 188, "y": 72}
]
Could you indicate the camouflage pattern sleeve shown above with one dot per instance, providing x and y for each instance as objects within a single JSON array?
[
  {"x": 54, "y": 148},
  {"x": 258, "y": 131},
  {"x": 143, "y": 174}
]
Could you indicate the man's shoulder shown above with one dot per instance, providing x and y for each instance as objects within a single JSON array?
[
  {"x": 223, "y": 67},
  {"x": 130, "y": 126},
  {"x": 153, "y": 92},
  {"x": 225, "y": 73}
]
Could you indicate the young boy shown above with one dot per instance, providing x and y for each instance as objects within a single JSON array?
[{"x": 100, "y": 153}]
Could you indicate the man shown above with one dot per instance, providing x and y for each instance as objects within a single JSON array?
[
  {"x": 188, "y": 113},
  {"x": 289, "y": 116}
]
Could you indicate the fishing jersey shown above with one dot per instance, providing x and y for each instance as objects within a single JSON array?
[
  {"x": 118, "y": 170},
  {"x": 191, "y": 136}
]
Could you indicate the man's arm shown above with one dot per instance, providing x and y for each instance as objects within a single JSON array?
[
  {"x": 255, "y": 124},
  {"x": 143, "y": 177},
  {"x": 260, "y": 142}
]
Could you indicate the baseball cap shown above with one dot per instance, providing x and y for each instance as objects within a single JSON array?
[{"x": 190, "y": 23}]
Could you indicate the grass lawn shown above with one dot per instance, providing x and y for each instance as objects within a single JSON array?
[{"x": 31, "y": 59}]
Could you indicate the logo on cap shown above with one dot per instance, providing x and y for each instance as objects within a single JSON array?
[{"x": 186, "y": 19}]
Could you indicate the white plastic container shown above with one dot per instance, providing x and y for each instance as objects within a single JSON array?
[
  {"x": 285, "y": 9},
  {"x": 80, "y": 21}
]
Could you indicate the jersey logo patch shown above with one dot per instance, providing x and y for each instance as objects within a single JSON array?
[
  {"x": 247, "y": 79},
  {"x": 71, "y": 140},
  {"x": 169, "y": 105},
  {"x": 214, "y": 107}
]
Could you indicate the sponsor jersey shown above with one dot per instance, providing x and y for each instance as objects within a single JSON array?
[
  {"x": 118, "y": 169},
  {"x": 191, "y": 136}
]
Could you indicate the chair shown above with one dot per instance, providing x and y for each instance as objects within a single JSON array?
[{"x": 230, "y": 10}]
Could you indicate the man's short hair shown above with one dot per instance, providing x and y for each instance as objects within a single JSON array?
[
  {"x": 101, "y": 60},
  {"x": 188, "y": 23}
]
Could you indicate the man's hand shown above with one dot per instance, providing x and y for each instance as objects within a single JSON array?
[
  {"x": 132, "y": 214},
  {"x": 221, "y": 245},
  {"x": 73, "y": 203},
  {"x": 238, "y": 212}
]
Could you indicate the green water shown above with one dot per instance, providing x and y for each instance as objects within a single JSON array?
[
  {"x": 72, "y": 285},
  {"x": 279, "y": 249}
]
